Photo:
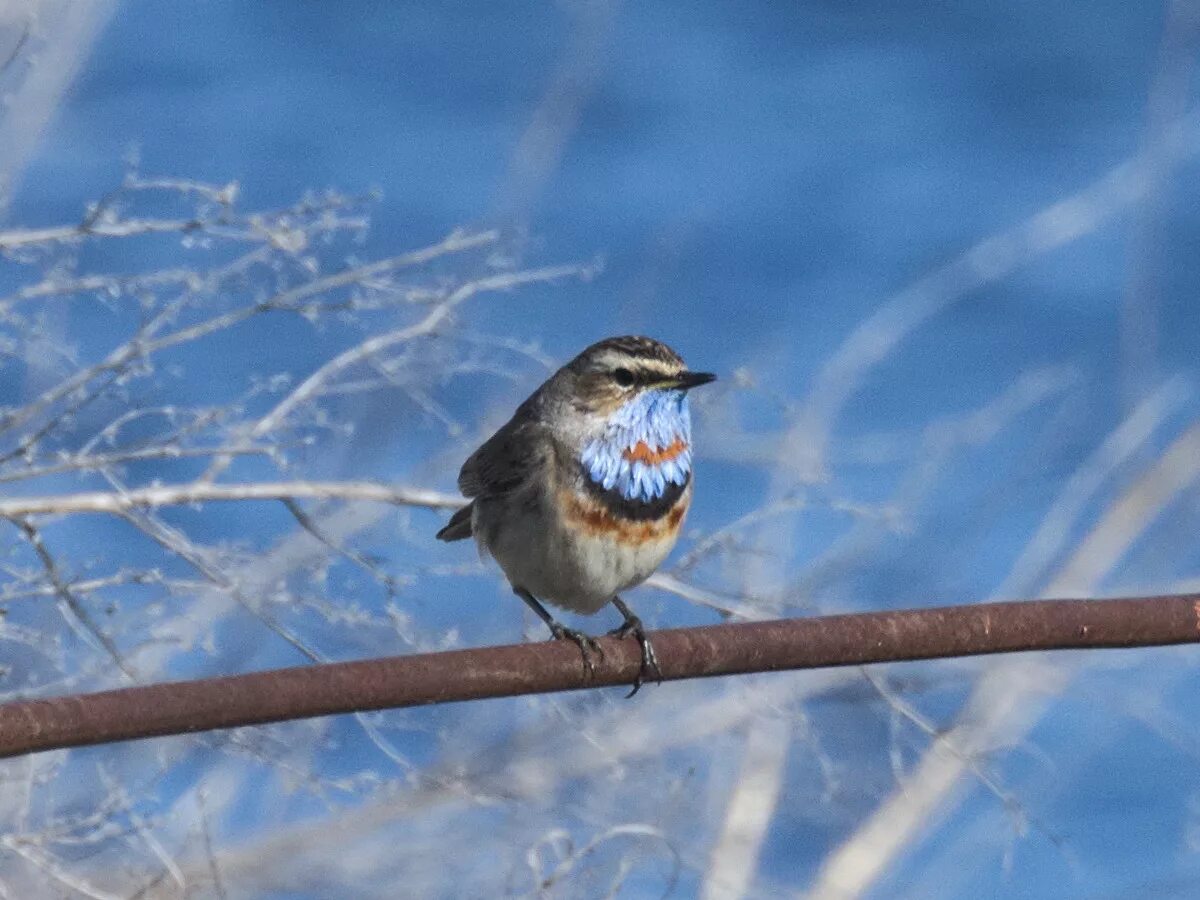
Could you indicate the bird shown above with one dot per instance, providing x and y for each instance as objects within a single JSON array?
[{"x": 582, "y": 494}]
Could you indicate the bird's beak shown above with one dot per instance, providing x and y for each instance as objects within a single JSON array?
[{"x": 688, "y": 380}]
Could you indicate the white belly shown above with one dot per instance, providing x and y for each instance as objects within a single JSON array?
[{"x": 579, "y": 569}]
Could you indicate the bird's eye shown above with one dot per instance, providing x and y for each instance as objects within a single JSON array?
[{"x": 623, "y": 377}]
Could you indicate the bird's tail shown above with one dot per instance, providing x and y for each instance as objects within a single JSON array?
[{"x": 459, "y": 526}]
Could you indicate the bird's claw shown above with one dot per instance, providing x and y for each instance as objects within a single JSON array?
[
  {"x": 633, "y": 625},
  {"x": 586, "y": 643}
]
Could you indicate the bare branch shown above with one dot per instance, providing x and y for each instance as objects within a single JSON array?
[
  {"x": 86, "y": 462},
  {"x": 305, "y": 521},
  {"x": 312, "y": 385},
  {"x": 42, "y": 860},
  {"x": 179, "y": 495},
  {"x": 986, "y": 262},
  {"x": 734, "y": 856},
  {"x": 1004, "y": 702},
  {"x": 73, "y": 610}
]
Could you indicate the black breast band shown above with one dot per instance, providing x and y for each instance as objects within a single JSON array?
[{"x": 636, "y": 510}]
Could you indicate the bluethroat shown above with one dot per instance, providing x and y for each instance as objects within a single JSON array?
[{"x": 582, "y": 493}]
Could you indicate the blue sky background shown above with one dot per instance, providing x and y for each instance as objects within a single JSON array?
[{"x": 758, "y": 179}]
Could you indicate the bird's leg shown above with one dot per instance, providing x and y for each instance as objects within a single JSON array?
[
  {"x": 633, "y": 625},
  {"x": 587, "y": 644}
]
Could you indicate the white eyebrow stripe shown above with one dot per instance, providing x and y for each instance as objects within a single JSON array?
[{"x": 636, "y": 364}]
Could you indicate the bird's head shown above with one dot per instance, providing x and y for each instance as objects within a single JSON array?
[
  {"x": 613, "y": 374},
  {"x": 630, "y": 396}
]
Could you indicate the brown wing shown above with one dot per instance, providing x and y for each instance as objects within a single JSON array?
[
  {"x": 502, "y": 464},
  {"x": 460, "y": 525},
  {"x": 506, "y": 459}
]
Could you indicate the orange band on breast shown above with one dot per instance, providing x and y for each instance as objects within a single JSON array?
[
  {"x": 643, "y": 453},
  {"x": 592, "y": 519}
]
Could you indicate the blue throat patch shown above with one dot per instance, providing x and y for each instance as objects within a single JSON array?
[{"x": 657, "y": 418}]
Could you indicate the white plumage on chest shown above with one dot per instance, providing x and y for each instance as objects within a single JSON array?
[{"x": 565, "y": 547}]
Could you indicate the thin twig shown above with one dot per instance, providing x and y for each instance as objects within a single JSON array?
[{"x": 74, "y": 611}]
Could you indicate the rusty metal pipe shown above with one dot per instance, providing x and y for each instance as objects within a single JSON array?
[{"x": 29, "y": 726}]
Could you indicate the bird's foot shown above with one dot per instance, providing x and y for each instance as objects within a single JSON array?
[
  {"x": 586, "y": 643},
  {"x": 633, "y": 625}
]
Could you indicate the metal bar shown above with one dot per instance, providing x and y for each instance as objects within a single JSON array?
[{"x": 184, "y": 707}]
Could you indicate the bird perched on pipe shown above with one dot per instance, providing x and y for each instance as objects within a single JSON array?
[{"x": 582, "y": 493}]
